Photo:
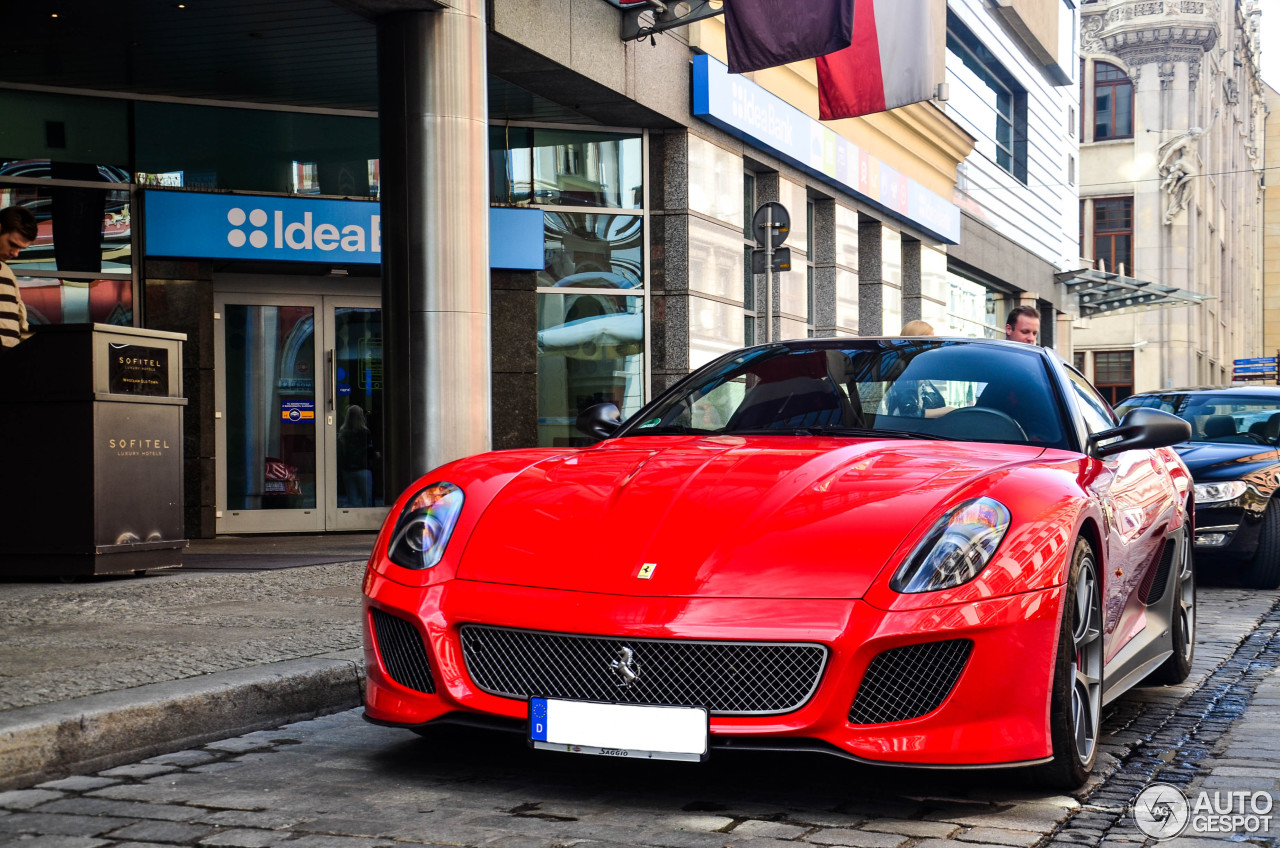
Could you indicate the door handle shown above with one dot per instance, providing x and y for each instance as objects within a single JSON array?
[{"x": 331, "y": 379}]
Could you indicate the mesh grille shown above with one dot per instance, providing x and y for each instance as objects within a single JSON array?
[
  {"x": 908, "y": 682},
  {"x": 1156, "y": 590},
  {"x": 400, "y": 646},
  {"x": 728, "y": 678}
]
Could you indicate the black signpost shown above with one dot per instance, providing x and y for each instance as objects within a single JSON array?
[{"x": 771, "y": 225}]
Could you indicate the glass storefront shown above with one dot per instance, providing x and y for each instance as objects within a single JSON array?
[{"x": 590, "y": 350}]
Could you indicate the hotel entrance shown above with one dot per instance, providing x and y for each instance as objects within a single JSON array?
[{"x": 299, "y": 412}]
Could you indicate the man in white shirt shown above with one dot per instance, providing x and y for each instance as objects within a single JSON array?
[{"x": 17, "y": 232}]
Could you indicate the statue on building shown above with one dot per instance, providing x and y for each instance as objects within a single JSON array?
[{"x": 1178, "y": 169}]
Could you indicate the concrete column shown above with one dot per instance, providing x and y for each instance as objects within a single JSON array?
[
  {"x": 912, "y": 290},
  {"x": 871, "y": 277},
  {"x": 435, "y": 239},
  {"x": 822, "y": 245}
]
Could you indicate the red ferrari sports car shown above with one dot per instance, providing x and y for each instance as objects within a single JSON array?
[{"x": 926, "y": 552}]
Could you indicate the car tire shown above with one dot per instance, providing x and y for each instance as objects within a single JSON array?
[
  {"x": 1182, "y": 624},
  {"x": 1075, "y": 709},
  {"x": 1263, "y": 571}
]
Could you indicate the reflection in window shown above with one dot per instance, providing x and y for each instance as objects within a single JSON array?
[
  {"x": 81, "y": 228},
  {"x": 986, "y": 99},
  {"x": 590, "y": 350},
  {"x": 1113, "y": 102},
  {"x": 53, "y": 301},
  {"x": 552, "y": 167},
  {"x": 593, "y": 250}
]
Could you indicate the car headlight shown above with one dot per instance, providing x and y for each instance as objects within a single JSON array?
[
  {"x": 1207, "y": 493},
  {"x": 955, "y": 549},
  {"x": 425, "y": 525}
]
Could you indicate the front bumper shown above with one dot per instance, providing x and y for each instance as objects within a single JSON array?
[
  {"x": 996, "y": 714},
  {"x": 1229, "y": 529}
]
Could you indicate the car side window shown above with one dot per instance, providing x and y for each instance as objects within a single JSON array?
[{"x": 1095, "y": 411}]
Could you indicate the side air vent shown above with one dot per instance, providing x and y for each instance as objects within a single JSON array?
[
  {"x": 908, "y": 682},
  {"x": 400, "y": 646},
  {"x": 1161, "y": 581}
]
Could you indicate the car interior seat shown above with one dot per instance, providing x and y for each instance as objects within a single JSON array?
[
  {"x": 793, "y": 402},
  {"x": 1219, "y": 427},
  {"x": 1271, "y": 432}
]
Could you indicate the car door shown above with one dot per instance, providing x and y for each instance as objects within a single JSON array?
[{"x": 1137, "y": 499}]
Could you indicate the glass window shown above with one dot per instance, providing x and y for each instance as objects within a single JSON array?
[
  {"x": 1113, "y": 233},
  {"x": 1095, "y": 411},
  {"x": 715, "y": 257},
  {"x": 712, "y": 329},
  {"x": 986, "y": 99},
  {"x": 50, "y": 300},
  {"x": 63, "y": 127},
  {"x": 1113, "y": 102},
  {"x": 793, "y": 292},
  {"x": 796, "y": 201},
  {"x": 593, "y": 250},
  {"x": 715, "y": 182},
  {"x": 847, "y": 238},
  {"x": 590, "y": 350},
  {"x": 846, "y": 302},
  {"x": 573, "y": 168},
  {"x": 215, "y": 148},
  {"x": 1113, "y": 374},
  {"x": 81, "y": 228}
]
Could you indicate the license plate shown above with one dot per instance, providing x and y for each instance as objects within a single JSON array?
[{"x": 619, "y": 730}]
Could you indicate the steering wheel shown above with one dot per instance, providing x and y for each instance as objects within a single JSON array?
[{"x": 979, "y": 422}]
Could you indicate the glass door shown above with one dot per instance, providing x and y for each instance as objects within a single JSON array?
[
  {"x": 353, "y": 413},
  {"x": 298, "y": 420}
]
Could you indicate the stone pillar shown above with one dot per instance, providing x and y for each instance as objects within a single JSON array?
[
  {"x": 912, "y": 290},
  {"x": 822, "y": 244},
  {"x": 870, "y": 277},
  {"x": 435, "y": 241}
]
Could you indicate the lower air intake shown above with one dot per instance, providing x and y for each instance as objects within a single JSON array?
[
  {"x": 908, "y": 682},
  {"x": 400, "y": 646}
]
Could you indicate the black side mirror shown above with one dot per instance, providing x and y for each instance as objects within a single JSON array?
[
  {"x": 601, "y": 420},
  {"x": 1140, "y": 428}
]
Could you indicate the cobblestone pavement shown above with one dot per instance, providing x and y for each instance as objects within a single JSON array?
[
  {"x": 337, "y": 782},
  {"x": 65, "y": 641}
]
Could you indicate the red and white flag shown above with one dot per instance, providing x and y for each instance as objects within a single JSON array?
[{"x": 890, "y": 62}]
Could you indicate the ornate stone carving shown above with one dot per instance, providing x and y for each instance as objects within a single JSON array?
[
  {"x": 1178, "y": 168},
  {"x": 1090, "y": 27}
]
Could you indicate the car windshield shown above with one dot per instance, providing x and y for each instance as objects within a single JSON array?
[
  {"x": 906, "y": 388},
  {"x": 1231, "y": 418}
]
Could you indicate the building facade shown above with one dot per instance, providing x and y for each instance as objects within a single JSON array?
[
  {"x": 396, "y": 236},
  {"x": 1172, "y": 119}
]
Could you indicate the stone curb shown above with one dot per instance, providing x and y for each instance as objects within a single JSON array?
[{"x": 49, "y": 741}]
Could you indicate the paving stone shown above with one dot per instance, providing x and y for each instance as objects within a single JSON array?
[
  {"x": 184, "y": 759},
  {"x": 54, "y": 841},
  {"x": 936, "y": 830},
  {"x": 266, "y": 819},
  {"x": 121, "y": 809},
  {"x": 318, "y": 841},
  {"x": 25, "y": 799},
  {"x": 768, "y": 829},
  {"x": 139, "y": 771},
  {"x": 78, "y": 783},
  {"x": 1001, "y": 836},
  {"x": 246, "y": 838},
  {"x": 163, "y": 831},
  {"x": 857, "y": 839},
  {"x": 60, "y": 824}
]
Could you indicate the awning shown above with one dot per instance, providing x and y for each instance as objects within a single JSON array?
[{"x": 1103, "y": 292}]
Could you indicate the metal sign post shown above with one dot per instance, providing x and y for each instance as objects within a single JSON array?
[{"x": 771, "y": 225}]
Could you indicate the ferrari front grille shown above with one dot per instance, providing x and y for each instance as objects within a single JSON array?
[
  {"x": 908, "y": 682},
  {"x": 400, "y": 646},
  {"x": 728, "y": 678}
]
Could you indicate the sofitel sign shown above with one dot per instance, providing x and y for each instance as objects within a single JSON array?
[{"x": 298, "y": 229}]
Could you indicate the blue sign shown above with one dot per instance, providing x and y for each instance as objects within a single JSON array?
[
  {"x": 1255, "y": 369},
  {"x": 744, "y": 109},
  {"x": 1259, "y": 360},
  {"x": 299, "y": 229},
  {"x": 298, "y": 410}
]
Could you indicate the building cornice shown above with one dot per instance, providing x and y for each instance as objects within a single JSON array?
[{"x": 1142, "y": 31}]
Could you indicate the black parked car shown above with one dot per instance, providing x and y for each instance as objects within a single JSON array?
[{"x": 1234, "y": 457}]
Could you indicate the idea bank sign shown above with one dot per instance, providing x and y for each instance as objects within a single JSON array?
[{"x": 299, "y": 229}]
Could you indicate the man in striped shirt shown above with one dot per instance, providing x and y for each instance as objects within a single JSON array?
[{"x": 17, "y": 232}]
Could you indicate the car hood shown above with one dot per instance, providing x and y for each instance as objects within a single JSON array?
[
  {"x": 1222, "y": 461},
  {"x": 780, "y": 517}
]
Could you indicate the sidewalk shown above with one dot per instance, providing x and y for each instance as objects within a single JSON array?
[{"x": 252, "y": 632}]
